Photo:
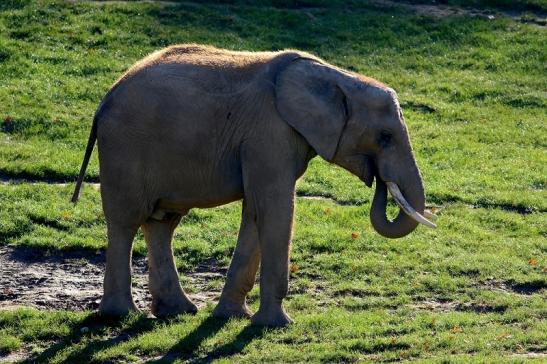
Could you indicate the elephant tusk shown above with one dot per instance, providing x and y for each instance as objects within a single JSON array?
[{"x": 406, "y": 207}]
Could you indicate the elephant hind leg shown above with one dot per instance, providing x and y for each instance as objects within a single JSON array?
[
  {"x": 117, "y": 299},
  {"x": 168, "y": 297}
]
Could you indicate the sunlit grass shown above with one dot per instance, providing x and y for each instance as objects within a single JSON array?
[{"x": 472, "y": 90}]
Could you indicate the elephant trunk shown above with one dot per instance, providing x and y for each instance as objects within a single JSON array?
[{"x": 411, "y": 199}]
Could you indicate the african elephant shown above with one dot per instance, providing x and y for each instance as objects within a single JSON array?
[{"x": 194, "y": 126}]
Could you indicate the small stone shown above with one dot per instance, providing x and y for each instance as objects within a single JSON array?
[{"x": 84, "y": 330}]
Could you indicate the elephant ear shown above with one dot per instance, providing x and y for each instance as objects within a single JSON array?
[{"x": 309, "y": 98}]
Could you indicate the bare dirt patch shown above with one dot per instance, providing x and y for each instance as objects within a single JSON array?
[
  {"x": 530, "y": 355},
  {"x": 447, "y": 306},
  {"x": 442, "y": 11},
  {"x": 73, "y": 280},
  {"x": 16, "y": 356},
  {"x": 529, "y": 288},
  {"x": 9, "y": 181}
]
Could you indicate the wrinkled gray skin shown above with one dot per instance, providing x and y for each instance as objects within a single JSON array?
[{"x": 195, "y": 126}]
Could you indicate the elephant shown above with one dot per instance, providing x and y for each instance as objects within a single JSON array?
[{"x": 193, "y": 126}]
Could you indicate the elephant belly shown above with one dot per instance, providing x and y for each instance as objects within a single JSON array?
[{"x": 200, "y": 187}]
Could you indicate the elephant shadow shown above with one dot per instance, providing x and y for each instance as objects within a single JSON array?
[
  {"x": 188, "y": 346},
  {"x": 98, "y": 327}
]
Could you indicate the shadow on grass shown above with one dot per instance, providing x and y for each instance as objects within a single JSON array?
[
  {"x": 244, "y": 338},
  {"x": 97, "y": 333},
  {"x": 99, "y": 328},
  {"x": 187, "y": 347},
  {"x": 326, "y": 28}
]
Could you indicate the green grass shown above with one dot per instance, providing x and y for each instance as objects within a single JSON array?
[{"x": 473, "y": 92}]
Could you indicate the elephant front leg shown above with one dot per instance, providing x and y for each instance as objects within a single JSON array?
[
  {"x": 168, "y": 297},
  {"x": 242, "y": 272},
  {"x": 274, "y": 228}
]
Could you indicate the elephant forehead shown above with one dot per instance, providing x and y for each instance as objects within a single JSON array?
[{"x": 381, "y": 95}]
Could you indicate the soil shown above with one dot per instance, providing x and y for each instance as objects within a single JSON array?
[
  {"x": 441, "y": 11},
  {"x": 73, "y": 280}
]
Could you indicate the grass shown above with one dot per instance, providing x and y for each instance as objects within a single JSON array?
[{"x": 473, "y": 92}]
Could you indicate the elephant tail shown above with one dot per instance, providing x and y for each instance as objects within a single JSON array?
[{"x": 85, "y": 162}]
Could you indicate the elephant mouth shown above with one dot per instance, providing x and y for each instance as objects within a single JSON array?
[
  {"x": 369, "y": 171},
  {"x": 407, "y": 207}
]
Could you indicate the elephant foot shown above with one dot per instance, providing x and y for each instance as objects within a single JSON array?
[
  {"x": 272, "y": 317},
  {"x": 227, "y": 310},
  {"x": 162, "y": 309},
  {"x": 117, "y": 306}
]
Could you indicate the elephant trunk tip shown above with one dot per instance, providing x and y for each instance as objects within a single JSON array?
[{"x": 404, "y": 223}]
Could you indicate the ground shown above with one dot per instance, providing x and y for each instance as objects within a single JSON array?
[{"x": 471, "y": 78}]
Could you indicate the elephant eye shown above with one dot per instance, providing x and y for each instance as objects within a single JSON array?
[{"x": 385, "y": 139}]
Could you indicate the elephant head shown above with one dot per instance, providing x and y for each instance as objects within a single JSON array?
[{"x": 356, "y": 123}]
